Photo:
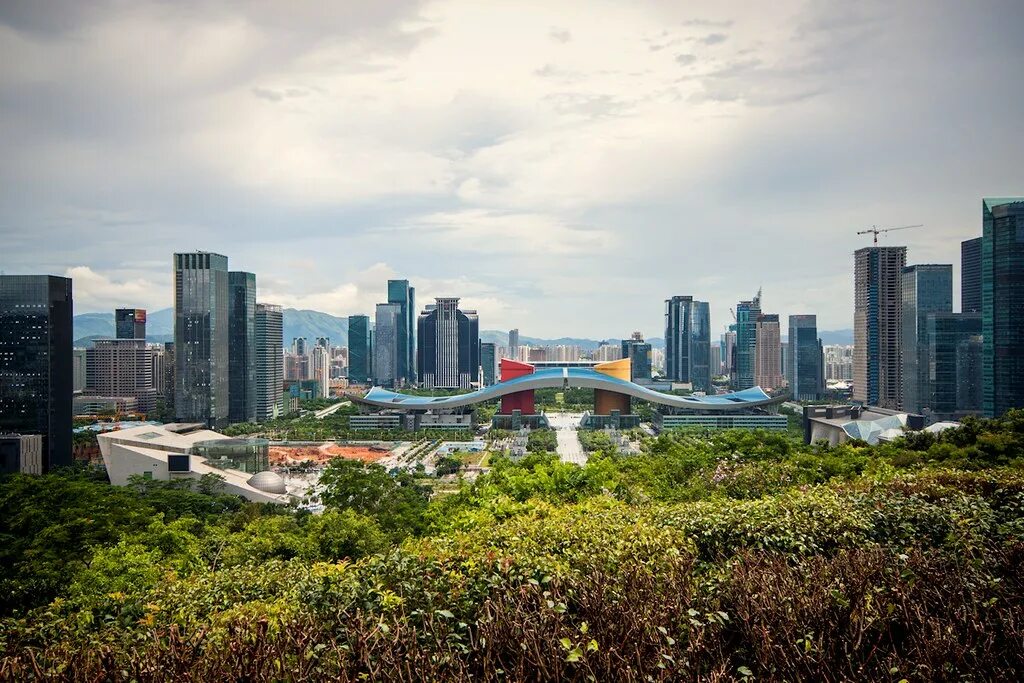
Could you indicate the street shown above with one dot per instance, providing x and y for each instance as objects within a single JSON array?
[{"x": 565, "y": 426}]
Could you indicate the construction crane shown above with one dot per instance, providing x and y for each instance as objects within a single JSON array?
[{"x": 874, "y": 230}]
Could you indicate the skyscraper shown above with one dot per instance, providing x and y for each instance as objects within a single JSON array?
[
  {"x": 385, "y": 344},
  {"x": 130, "y": 323},
  {"x": 768, "y": 352},
  {"x": 35, "y": 362},
  {"x": 269, "y": 324},
  {"x": 300, "y": 347},
  {"x": 927, "y": 288},
  {"x": 449, "y": 345},
  {"x": 121, "y": 367},
  {"x": 729, "y": 351},
  {"x": 700, "y": 347},
  {"x": 747, "y": 313},
  {"x": 805, "y": 364},
  {"x": 877, "y": 323},
  {"x": 678, "y": 338},
  {"x": 1002, "y": 294},
  {"x": 954, "y": 375},
  {"x": 359, "y": 349},
  {"x": 513, "y": 344},
  {"x": 201, "y": 338},
  {"x": 242, "y": 346},
  {"x": 399, "y": 292},
  {"x": 970, "y": 275},
  {"x": 640, "y": 357},
  {"x": 488, "y": 363}
]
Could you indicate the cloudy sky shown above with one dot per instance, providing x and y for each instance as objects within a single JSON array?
[{"x": 563, "y": 166}]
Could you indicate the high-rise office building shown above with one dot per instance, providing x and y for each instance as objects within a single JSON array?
[
  {"x": 399, "y": 292},
  {"x": 877, "y": 326},
  {"x": 805, "y": 371},
  {"x": 513, "y": 343},
  {"x": 242, "y": 346},
  {"x": 954, "y": 375},
  {"x": 488, "y": 363},
  {"x": 130, "y": 323},
  {"x": 716, "y": 360},
  {"x": 688, "y": 342},
  {"x": 640, "y": 357},
  {"x": 385, "y": 345},
  {"x": 359, "y": 349},
  {"x": 201, "y": 338},
  {"x": 269, "y": 326},
  {"x": 729, "y": 351},
  {"x": 1002, "y": 303},
  {"x": 78, "y": 369},
  {"x": 927, "y": 288},
  {"x": 449, "y": 345},
  {"x": 325, "y": 342},
  {"x": 300, "y": 347},
  {"x": 36, "y": 382},
  {"x": 970, "y": 275},
  {"x": 320, "y": 361},
  {"x": 747, "y": 313},
  {"x": 768, "y": 352},
  {"x": 121, "y": 368},
  {"x": 158, "y": 359}
]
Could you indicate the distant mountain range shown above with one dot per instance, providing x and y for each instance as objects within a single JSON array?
[{"x": 313, "y": 324}]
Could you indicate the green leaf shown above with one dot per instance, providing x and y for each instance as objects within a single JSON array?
[
  {"x": 566, "y": 643},
  {"x": 744, "y": 671}
]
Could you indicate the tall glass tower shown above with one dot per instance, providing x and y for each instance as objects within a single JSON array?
[
  {"x": 400, "y": 293},
  {"x": 386, "y": 345},
  {"x": 130, "y": 323},
  {"x": 927, "y": 288},
  {"x": 359, "y": 348},
  {"x": 201, "y": 338},
  {"x": 747, "y": 313},
  {"x": 688, "y": 342},
  {"x": 1002, "y": 294},
  {"x": 242, "y": 346},
  {"x": 36, "y": 376},
  {"x": 970, "y": 276},
  {"x": 804, "y": 363}
]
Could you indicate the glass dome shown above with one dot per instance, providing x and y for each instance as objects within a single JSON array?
[{"x": 267, "y": 481}]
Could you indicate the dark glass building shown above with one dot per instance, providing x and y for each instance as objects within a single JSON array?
[
  {"x": 242, "y": 346},
  {"x": 488, "y": 363},
  {"x": 747, "y": 314},
  {"x": 36, "y": 378},
  {"x": 927, "y": 288},
  {"x": 688, "y": 342},
  {"x": 639, "y": 354},
  {"x": 449, "y": 346},
  {"x": 1002, "y": 294},
  {"x": 201, "y": 338},
  {"x": 359, "y": 349},
  {"x": 399, "y": 292},
  {"x": 954, "y": 374},
  {"x": 130, "y": 323},
  {"x": 804, "y": 364},
  {"x": 970, "y": 275}
]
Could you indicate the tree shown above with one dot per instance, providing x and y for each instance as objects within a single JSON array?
[{"x": 397, "y": 502}]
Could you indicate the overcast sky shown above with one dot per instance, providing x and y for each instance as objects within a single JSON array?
[{"x": 562, "y": 166}]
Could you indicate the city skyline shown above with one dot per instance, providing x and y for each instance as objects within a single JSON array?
[{"x": 628, "y": 162}]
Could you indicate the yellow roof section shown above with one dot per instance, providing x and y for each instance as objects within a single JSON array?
[{"x": 619, "y": 369}]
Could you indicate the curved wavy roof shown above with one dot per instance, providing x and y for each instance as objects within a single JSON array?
[{"x": 548, "y": 378}]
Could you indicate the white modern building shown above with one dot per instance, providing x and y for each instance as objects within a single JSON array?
[{"x": 189, "y": 451}]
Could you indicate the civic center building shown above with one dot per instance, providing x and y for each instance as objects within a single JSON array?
[{"x": 614, "y": 394}]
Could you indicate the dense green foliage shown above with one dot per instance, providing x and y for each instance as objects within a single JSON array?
[
  {"x": 714, "y": 557},
  {"x": 541, "y": 440}
]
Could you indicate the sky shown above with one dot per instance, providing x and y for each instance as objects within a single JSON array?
[{"x": 564, "y": 167}]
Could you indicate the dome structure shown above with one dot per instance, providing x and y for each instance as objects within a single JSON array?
[{"x": 268, "y": 482}]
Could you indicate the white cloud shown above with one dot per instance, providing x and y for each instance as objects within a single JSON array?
[{"x": 94, "y": 291}]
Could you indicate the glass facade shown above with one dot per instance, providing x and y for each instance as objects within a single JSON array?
[
  {"x": 130, "y": 323},
  {"x": 747, "y": 313},
  {"x": 359, "y": 348},
  {"x": 970, "y": 276},
  {"x": 804, "y": 359},
  {"x": 36, "y": 368},
  {"x": 385, "y": 345},
  {"x": 242, "y": 349},
  {"x": 953, "y": 373},
  {"x": 247, "y": 455},
  {"x": 639, "y": 354},
  {"x": 448, "y": 355},
  {"x": 400, "y": 293},
  {"x": 201, "y": 338},
  {"x": 1002, "y": 293},
  {"x": 488, "y": 363},
  {"x": 927, "y": 289},
  {"x": 688, "y": 342}
]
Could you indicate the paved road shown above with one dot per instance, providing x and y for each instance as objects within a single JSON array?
[
  {"x": 565, "y": 426},
  {"x": 330, "y": 409}
]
